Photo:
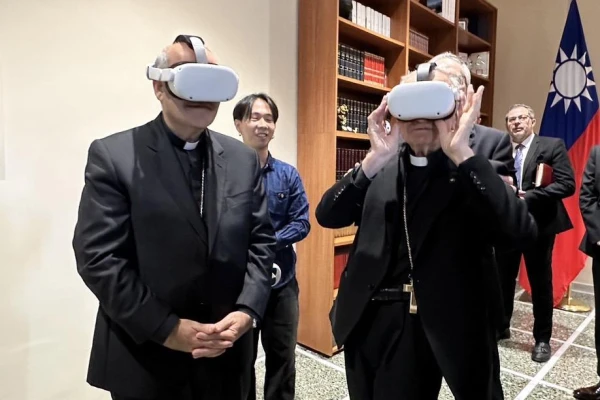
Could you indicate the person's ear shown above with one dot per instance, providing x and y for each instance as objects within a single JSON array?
[
  {"x": 238, "y": 124},
  {"x": 158, "y": 89}
]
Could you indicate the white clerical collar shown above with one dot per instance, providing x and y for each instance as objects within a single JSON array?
[
  {"x": 190, "y": 146},
  {"x": 418, "y": 161}
]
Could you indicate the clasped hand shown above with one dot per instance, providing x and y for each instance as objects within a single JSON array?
[{"x": 208, "y": 340}]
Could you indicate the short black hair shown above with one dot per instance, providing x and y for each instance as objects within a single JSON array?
[{"x": 243, "y": 108}]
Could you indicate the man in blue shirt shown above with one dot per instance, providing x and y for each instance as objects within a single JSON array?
[{"x": 255, "y": 117}]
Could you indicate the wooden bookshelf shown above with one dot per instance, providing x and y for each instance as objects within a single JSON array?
[{"x": 320, "y": 83}]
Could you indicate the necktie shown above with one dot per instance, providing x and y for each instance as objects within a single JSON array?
[{"x": 519, "y": 163}]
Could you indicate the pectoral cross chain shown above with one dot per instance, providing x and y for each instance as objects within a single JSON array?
[{"x": 409, "y": 288}]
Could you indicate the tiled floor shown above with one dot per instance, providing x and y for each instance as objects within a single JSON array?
[{"x": 572, "y": 365}]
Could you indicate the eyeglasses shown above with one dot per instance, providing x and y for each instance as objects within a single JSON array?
[{"x": 512, "y": 120}]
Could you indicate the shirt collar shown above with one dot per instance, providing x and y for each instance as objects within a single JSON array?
[
  {"x": 525, "y": 143},
  {"x": 176, "y": 140},
  {"x": 269, "y": 164}
]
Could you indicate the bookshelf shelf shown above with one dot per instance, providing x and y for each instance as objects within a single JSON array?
[
  {"x": 352, "y": 136},
  {"x": 476, "y": 7},
  {"x": 479, "y": 80},
  {"x": 356, "y": 34},
  {"x": 417, "y": 56},
  {"x": 333, "y": 50},
  {"x": 361, "y": 86},
  {"x": 471, "y": 43},
  {"x": 343, "y": 241},
  {"x": 427, "y": 21}
]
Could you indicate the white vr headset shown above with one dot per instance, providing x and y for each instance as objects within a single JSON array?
[
  {"x": 199, "y": 81},
  {"x": 423, "y": 99}
]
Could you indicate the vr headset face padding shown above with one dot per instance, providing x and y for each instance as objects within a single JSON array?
[
  {"x": 424, "y": 99},
  {"x": 199, "y": 81}
]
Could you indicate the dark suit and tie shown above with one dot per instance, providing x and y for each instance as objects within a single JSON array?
[
  {"x": 545, "y": 205},
  {"x": 589, "y": 204},
  {"x": 167, "y": 232}
]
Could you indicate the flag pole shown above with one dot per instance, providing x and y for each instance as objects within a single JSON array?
[{"x": 568, "y": 303}]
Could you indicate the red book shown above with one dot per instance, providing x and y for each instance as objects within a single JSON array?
[{"x": 544, "y": 175}]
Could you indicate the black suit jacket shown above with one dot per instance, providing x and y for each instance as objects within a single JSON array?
[
  {"x": 463, "y": 210},
  {"x": 495, "y": 146},
  {"x": 545, "y": 203},
  {"x": 589, "y": 203},
  {"x": 137, "y": 245}
]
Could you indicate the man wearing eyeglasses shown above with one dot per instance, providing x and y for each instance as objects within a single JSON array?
[{"x": 546, "y": 206}]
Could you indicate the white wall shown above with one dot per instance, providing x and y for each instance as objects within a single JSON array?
[{"x": 72, "y": 71}]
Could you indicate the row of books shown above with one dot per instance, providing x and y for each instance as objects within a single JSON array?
[
  {"x": 371, "y": 19},
  {"x": 361, "y": 65},
  {"x": 346, "y": 159},
  {"x": 353, "y": 114},
  {"x": 418, "y": 41},
  {"x": 445, "y": 8}
]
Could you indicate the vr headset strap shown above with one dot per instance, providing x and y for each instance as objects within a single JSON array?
[
  {"x": 424, "y": 71},
  {"x": 197, "y": 44},
  {"x": 199, "y": 50}
]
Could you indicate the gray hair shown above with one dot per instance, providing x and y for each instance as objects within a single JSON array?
[
  {"x": 525, "y": 106},
  {"x": 162, "y": 61},
  {"x": 446, "y": 57},
  {"x": 456, "y": 80}
]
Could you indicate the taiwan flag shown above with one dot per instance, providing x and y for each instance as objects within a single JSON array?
[{"x": 571, "y": 114}]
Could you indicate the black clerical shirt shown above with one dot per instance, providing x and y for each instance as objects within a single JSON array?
[{"x": 417, "y": 176}]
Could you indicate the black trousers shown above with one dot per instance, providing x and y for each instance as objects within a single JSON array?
[
  {"x": 538, "y": 263},
  {"x": 596, "y": 275},
  {"x": 224, "y": 377},
  {"x": 388, "y": 356},
  {"x": 279, "y": 330}
]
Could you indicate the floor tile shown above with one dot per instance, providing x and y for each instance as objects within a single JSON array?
[
  {"x": 511, "y": 385},
  {"x": 580, "y": 287},
  {"x": 546, "y": 393},
  {"x": 586, "y": 338},
  {"x": 563, "y": 323},
  {"x": 314, "y": 381},
  {"x": 515, "y": 353},
  {"x": 575, "y": 368},
  {"x": 338, "y": 359}
]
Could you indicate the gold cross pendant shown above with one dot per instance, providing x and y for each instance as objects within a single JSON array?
[{"x": 409, "y": 288}]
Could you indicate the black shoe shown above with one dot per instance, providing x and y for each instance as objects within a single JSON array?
[
  {"x": 541, "y": 352},
  {"x": 588, "y": 393},
  {"x": 505, "y": 334}
]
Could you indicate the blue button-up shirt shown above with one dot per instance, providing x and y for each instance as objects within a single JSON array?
[{"x": 288, "y": 208}]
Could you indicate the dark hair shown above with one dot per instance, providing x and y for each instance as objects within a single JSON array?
[{"x": 243, "y": 108}]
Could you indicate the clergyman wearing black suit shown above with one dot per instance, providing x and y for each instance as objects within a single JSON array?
[
  {"x": 174, "y": 239},
  {"x": 546, "y": 206},
  {"x": 589, "y": 204},
  {"x": 449, "y": 205}
]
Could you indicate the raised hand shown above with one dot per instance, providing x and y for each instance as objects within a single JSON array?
[
  {"x": 384, "y": 140},
  {"x": 454, "y": 132}
]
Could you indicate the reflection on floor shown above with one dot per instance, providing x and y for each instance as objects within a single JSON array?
[{"x": 573, "y": 363}]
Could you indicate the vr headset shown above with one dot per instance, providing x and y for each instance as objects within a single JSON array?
[
  {"x": 199, "y": 81},
  {"x": 423, "y": 99}
]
